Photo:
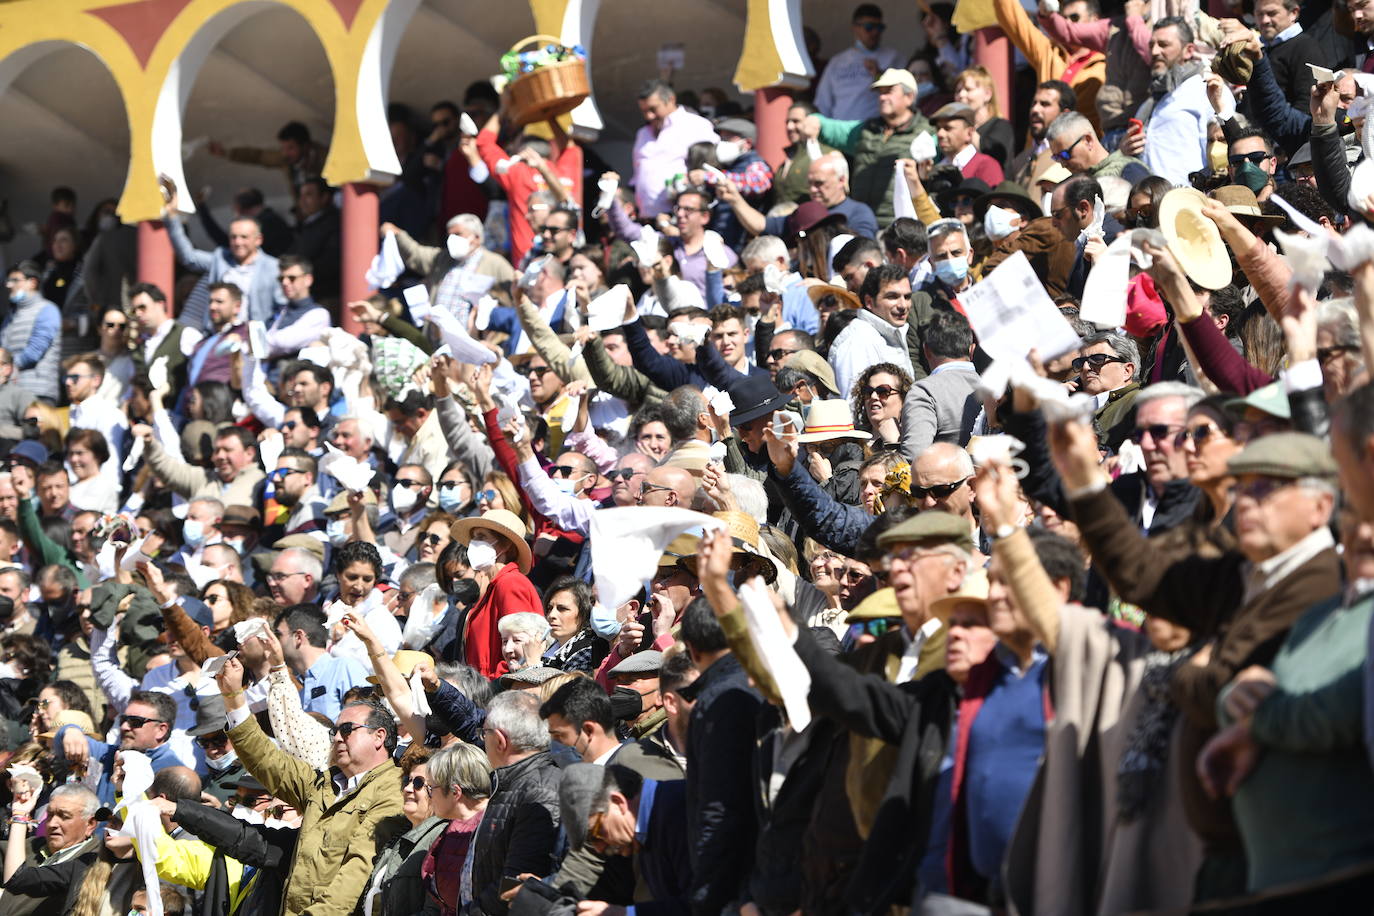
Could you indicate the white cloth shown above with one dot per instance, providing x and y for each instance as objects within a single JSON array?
[
  {"x": 627, "y": 543},
  {"x": 1176, "y": 131},
  {"x": 844, "y": 91},
  {"x": 387, "y": 265}
]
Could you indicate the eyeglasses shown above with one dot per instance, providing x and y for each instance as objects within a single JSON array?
[
  {"x": 485, "y": 496},
  {"x": 1199, "y": 434},
  {"x": 625, "y": 474},
  {"x": 139, "y": 721},
  {"x": 1064, "y": 155},
  {"x": 415, "y": 782},
  {"x": 344, "y": 730},
  {"x": 646, "y": 488},
  {"x": 780, "y": 354},
  {"x": 289, "y": 425},
  {"x": 281, "y": 576},
  {"x": 882, "y": 391},
  {"x": 937, "y": 490},
  {"x": 1261, "y": 488},
  {"x": 852, "y": 575},
  {"x": 562, "y": 470},
  {"x": 212, "y": 741},
  {"x": 292, "y": 278},
  {"x": 1326, "y": 354},
  {"x": 1158, "y": 432},
  {"x": 691, "y": 210},
  {"x": 1094, "y": 361},
  {"x": 1133, "y": 218},
  {"x": 72, "y": 378},
  {"x": 1256, "y": 157},
  {"x": 450, "y": 484},
  {"x": 402, "y": 482},
  {"x": 431, "y": 539}
]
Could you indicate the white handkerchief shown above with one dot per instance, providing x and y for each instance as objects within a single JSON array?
[
  {"x": 716, "y": 452},
  {"x": 1104, "y": 295},
  {"x": 607, "y": 310},
  {"x": 485, "y": 305},
  {"x": 157, "y": 374},
  {"x": 774, "y": 279},
  {"x": 459, "y": 341},
  {"x": 135, "y": 454},
  {"x": 569, "y": 418},
  {"x": 713, "y": 246},
  {"x": 138, "y": 774},
  {"x": 134, "y": 555},
  {"x": 1323, "y": 75},
  {"x": 212, "y": 666},
  {"x": 923, "y": 148},
  {"x": 26, "y": 773},
  {"x": 813, "y": 149},
  {"x": 257, "y": 340},
  {"x": 775, "y": 651},
  {"x": 627, "y": 542},
  {"x": 902, "y": 207},
  {"x": 466, "y": 126},
  {"x": 646, "y": 249},
  {"x": 354, "y": 475},
  {"x": 1130, "y": 457},
  {"x": 271, "y": 449},
  {"x": 720, "y": 401},
  {"x": 245, "y": 630},
  {"x": 692, "y": 333},
  {"x": 386, "y": 265},
  {"x": 417, "y": 300},
  {"x": 1094, "y": 229},
  {"x": 426, "y": 613},
  {"x": 180, "y": 506},
  {"x": 418, "y": 699},
  {"x": 320, "y": 356}
]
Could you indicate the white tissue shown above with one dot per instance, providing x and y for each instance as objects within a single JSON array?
[
  {"x": 776, "y": 653},
  {"x": 354, "y": 475}
]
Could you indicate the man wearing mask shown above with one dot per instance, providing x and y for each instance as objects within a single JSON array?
[
  {"x": 212, "y": 360},
  {"x": 1251, "y": 162},
  {"x": 950, "y": 254},
  {"x": 843, "y": 89},
  {"x": 1177, "y": 112},
  {"x": 200, "y": 528},
  {"x": 241, "y": 262},
  {"x": 444, "y": 267},
  {"x": 412, "y": 493},
  {"x": 301, "y": 321},
  {"x": 30, "y": 333},
  {"x": 317, "y": 235},
  {"x": 413, "y": 418},
  {"x": 740, "y": 161}
]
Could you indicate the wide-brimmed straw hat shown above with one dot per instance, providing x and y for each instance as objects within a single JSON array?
[
  {"x": 828, "y": 420},
  {"x": 501, "y": 522},
  {"x": 1193, "y": 239}
]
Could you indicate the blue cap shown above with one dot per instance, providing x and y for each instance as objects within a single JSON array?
[
  {"x": 198, "y": 611},
  {"x": 30, "y": 452}
]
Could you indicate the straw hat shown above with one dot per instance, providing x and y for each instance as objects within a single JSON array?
[
  {"x": 1193, "y": 238},
  {"x": 406, "y": 660},
  {"x": 1241, "y": 202},
  {"x": 1054, "y": 173},
  {"x": 71, "y": 717},
  {"x": 744, "y": 535},
  {"x": 974, "y": 590},
  {"x": 684, "y": 545},
  {"x": 828, "y": 420},
  {"x": 881, "y": 605},
  {"x": 501, "y": 522},
  {"x": 820, "y": 291}
]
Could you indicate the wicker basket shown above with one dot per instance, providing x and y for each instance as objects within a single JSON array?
[{"x": 548, "y": 92}]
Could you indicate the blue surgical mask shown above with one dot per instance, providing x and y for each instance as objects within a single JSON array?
[
  {"x": 338, "y": 535},
  {"x": 952, "y": 271},
  {"x": 604, "y": 622},
  {"x": 18, "y": 296},
  {"x": 565, "y": 485},
  {"x": 223, "y": 763},
  {"x": 236, "y": 543},
  {"x": 449, "y": 500},
  {"x": 193, "y": 532}
]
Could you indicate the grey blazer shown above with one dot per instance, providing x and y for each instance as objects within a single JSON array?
[{"x": 940, "y": 408}]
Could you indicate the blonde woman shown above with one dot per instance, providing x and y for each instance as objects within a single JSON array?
[{"x": 974, "y": 88}]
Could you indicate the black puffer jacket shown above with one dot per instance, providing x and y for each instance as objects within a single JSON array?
[
  {"x": 266, "y": 849},
  {"x": 519, "y": 832}
]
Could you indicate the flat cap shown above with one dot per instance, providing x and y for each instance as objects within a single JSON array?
[
  {"x": 930, "y": 526},
  {"x": 241, "y": 515},
  {"x": 302, "y": 542},
  {"x": 1290, "y": 455},
  {"x": 953, "y": 111},
  {"x": 650, "y": 661},
  {"x": 739, "y": 127},
  {"x": 536, "y": 675}
]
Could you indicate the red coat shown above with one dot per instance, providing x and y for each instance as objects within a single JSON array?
[
  {"x": 985, "y": 167},
  {"x": 509, "y": 593},
  {"x": 521, "y": 180}
]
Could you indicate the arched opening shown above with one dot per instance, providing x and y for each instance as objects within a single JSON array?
[{"x": 54, "y": 136}]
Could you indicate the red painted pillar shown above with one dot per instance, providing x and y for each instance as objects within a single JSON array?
[
  {"x": 770, "y": 119},
  {"x": 360, "y": 225},
  {"x": 156, "y": 264},
  {"x": 992, "y": 50}
]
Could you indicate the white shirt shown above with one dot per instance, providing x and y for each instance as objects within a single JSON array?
[
  {"x": 105, "y": 417},
  {"x": 844, "y": 91},
  {"x": 911, "y": 657},
  {"x": 189, "y": 338},
  {"x": 1176, "y": 129},
  {"x": 964, "y": 157}
]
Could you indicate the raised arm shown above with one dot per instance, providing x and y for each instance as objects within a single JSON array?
[{"x": 998, "y": 498}]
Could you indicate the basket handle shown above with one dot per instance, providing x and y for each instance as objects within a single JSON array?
[{"x": 542, "y": 39}]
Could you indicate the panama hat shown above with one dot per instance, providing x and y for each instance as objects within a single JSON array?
[
  {"x": 1193, "y": 239},
  {"x": 828, "y": 420},
  {"x": 744, "y": 536},
  {"x": 501, "y": 522},
  {"x": 1241, "y": 202},
  {"x": 847, "y": 299},
  {"x": 406, "y": 660},
  {"x": 71, "y": 717},
  {"x": 973, "y": 590}
]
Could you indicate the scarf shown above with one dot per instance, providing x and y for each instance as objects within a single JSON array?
[
  {"x": 1147, "y": 747},
  {"x": 1175, "y": 76}
]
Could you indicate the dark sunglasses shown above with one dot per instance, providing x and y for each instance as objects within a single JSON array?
[
  {"x": 415, "y": 782},
  {"x": 882, "y": 391},
  {"x": 1095, "y": 361},
  {"x": 210, "y": 741},
  {"x": 1199, "y": 434},
  {"x": 1326, "y": 354},
  {"x": 937, "y": 490},
  {"x": 779, "y": 354},
  {"x": 138, "y": 721},
  {"x": 401, "y": 482},
  {"x": 1159, "y": 432},
  {"x": 625, "y": 474},
  {"x": 537, "y": 371},
  {"x": 345, "y": 730},
  {"x": 283, "y": 473},
  {"x": 562, "y": 470},
  {"x": 450, "y": 484},
  {"x": 115, "y": 325},
  {"x": 872, "y": 26},
  {"x": 431, "y": 539},
  {"x": 1256, "y": 157},
  {"x": 1065, "y": 154}
]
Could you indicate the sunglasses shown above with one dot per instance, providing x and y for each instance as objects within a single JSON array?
[
  {"x": 346, "y": 730},
  {"x": 562, "y": 470},
  {"x": 853, "y": 576},
  {"x": 431, "y": 539},
  {"x": 1094, "y": 361},
  {"x": 779, "y": 354},
  {"x": 1158, "y": 432},
  {"x": 937, "y": 490},
  {"x": 211, "y": 741},
  {"x": 536, "y": 371},
  {"x": 1256, "y": 157},
  {"x": 450, "y": 484},
  {"x": 625, "y": 474},
  {"x": 882, "y": 391},
  {"x": 485, "y": 496},
  {"x": 402, "y": 482},
  {"x": 1199, "y": 434},
  {"x": 415, "y": 782},
  {"x": 646, "y": 488},
  {"x": 1064, "y": 155},
  {"x": 138, "y": 721},
  {"x": 115, "y": 325},
  {"x": 1326, "y": 354},
  {"x": 872, "y": 26},
  {"x": 282, "y": 473}
]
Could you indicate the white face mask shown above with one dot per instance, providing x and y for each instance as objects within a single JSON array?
[
  {"x": 458, "y": 247},
  {"x": 997, "y": 222},
  {"x": 566, "y": 485},
  {"x": 193, "y": 532},
  {"x": 223, "y": 763},
  {"x": 335, "y": 531},
  {"x": 403, "y": 499},
  {"x": 246, "y": 814},
  {"x": 727, "y": 151},
  {"x": 481, "y": 554}
]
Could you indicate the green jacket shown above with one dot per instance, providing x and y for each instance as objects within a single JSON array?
[
  {"x": 49, "y": 552},
  {"x": 872, "y": 153},
  {"x": 339, "y": 837},
  {"x": 1115, "y": 418},
  {"x": 1115, "y": 163}
]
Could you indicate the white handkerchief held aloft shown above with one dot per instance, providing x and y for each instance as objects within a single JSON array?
[
  {"x": 902, "y": 207},
  {"x": 257, "y": 341},
  {"x": 387, "y": 265},
  {"x": 138, "y": 774},
  {"x": 1130, "y": 457},
  {"x": 607, "y": 187},
  {"x": 1012, "y": 314},
  {"x": 417, "y": 300},
  {"x": 813, "y": 149},
  {"x": 271, "y": 449},
  {"x": 646, "y": 249},
  {"x": 418, "y": 699},
  {"x": 245, "y": 630},
  {"x": 607, "y": 311},
  {"x": 569, "y": 418},
  {"x": 1306, "y": 256},
  {"x": 134, "y": 555},
  {"x": 716, "y": 452},
  {"x": 627, "y": 542},
  {"x": 464, "y": 348},
  {"x": 694, "y": 334},
  {"x": 775, "y": 651},
  {"x": 1104, "y": 294},
  {"x": 1094, "y": 229},
  {"x": 157, "y": 374},
  {"x": 320, "y": 356},
  {"x": 466, "y": 126},
  {"x": 25, "y": 773},
  {"x": 1323, "y": 75},
  {"x": 135, "y": 454},
  {"x": 774, "y": 279},
  {"x": 485, "y": 306},
  {"x": 923, "y": 147},
  {"x": 352, "y": 474},
  {"x": 213, "y": 665},
  {"x": 426, "y": 613},
  {"x": 720, "y": 401},
  {"x": 713, "y": 246}
]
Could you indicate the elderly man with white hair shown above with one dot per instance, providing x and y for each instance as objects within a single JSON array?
[
  {"x": 524, "y": 637},
  {"x": 827, "y": 183},
  {"x": 449, "y": 270},
  {"x": 43, "y": 874}
]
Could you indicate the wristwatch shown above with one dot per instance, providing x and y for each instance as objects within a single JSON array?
[{"x": 1004, "y": 531}]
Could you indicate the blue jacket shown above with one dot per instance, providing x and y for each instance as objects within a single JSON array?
[
  {"x": 1290, "y": 127},
  {"x": 662, "y": 858},
  {"x": 668, "y": 373},
  {"x": 835, "y": 524},
  {"x": 507, "y": 319},
  {"x": 264, "y": 293},
  {"x": 161, "y": 757}
]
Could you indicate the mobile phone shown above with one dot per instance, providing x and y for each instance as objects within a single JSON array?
[{"x": 1136, "y": 127}]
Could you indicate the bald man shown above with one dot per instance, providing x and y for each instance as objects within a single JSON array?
[
  {"x": 668, "y": 486},
  {"x": 942, "y": 478}
]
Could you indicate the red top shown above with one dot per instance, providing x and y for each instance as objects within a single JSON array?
[
  {"x": 509, "y": 593},
  {"x": 985, "y": 167},
  {"x": 521, "y": 180}
]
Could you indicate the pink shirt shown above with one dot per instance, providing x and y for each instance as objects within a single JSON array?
[{"x": 658, "y": 157}]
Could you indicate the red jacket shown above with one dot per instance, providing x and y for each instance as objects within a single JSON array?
[
  {"x": 521, "y": 180},
  {"x": 509, "y": 593},
  {"x": 985, "y": 167}
]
